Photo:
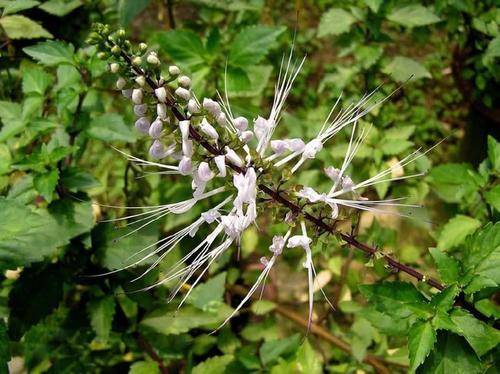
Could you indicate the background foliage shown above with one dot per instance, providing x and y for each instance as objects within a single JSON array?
[{"x": 59, "y": 117}]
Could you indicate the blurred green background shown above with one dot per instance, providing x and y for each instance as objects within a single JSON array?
[{"x": 60, "y": 116}]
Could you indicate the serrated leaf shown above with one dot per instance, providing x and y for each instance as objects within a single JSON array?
[
  {"x": 21, "y": 27},
  {"x": 445, "y": 299},
  {"x": 101, "y": 313},
  {"x": 51, "y": 52},
  {"x": 456, "y": 230},
  {"x": 374, "y": 5},
  {"x": 252, "y": 44},
  {"x": 448, "y": 267},
  {"x": 11, "y": 116},
  {"x": 403, "y": 68},
  {"x": 15, "y": 6},
  {"x": 46, "y": 183},
  {"x": 166, "y": 321},
  {"x": 129, "y": 9},
  {"x": 247, "y": 82},
  {"x": 208, "y": 296},
  {"x": 494, "y": 152},
  {"x": 78, "y": 180},
  {"x": 36, "y": 80},
  {"x": 305, "y": 361},
  {"x": 60, "y": 8},
  {"x": 213, "y": 365},
  {"x": 272, "y": 349},
  {"x": 479, "y": 335},
  {"x": 492, "y": 197},
  {"x": 363, "y": 333},
  {"x": 413, "y": 16},
  {"x": 421, "y": 339},
  {"x": 492, "y": 52},
  {"x": 110, "y": 127},
  {"x": 481, "y": 261},
  {"x": 183, "y": 46},
  {"x": 22, "y": 229},
  {"x": 394, "y": 146},
  {"x": 453, "y": 182},
  {"x": 334, "y": 22},
  {"x": 398, "y": 299}
]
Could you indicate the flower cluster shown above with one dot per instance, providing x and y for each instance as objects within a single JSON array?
[{"x": 227, "y": 159}]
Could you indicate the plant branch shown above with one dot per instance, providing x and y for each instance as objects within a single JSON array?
[{"x": 146, "y": 347}]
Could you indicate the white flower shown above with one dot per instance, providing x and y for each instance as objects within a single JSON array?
[
  {"x": 241, "y": 123},
  {"x": 220, "y": 161},
  {"x": 184, "y": 127},
  {"x": 208, "y": 129},
  {"x": 161, "y": 111},
  {"x": 279, "y": 146},
  {"x": 157, "y": 150},
  {"x": 299, "y": 241},
  {"x": 246, "y": 136},
  {"x": 260, "y": 127},
  {"x": 333, "y": 173},
  {"x": 193, "y": 106},
  {"x": 347, "y": 183},
  {"x": 161, "y": 94},
  {"x": 183, "y": 93},
  {"x": 120, "y": 83},
  {"x": 127, "y": 93},
  {"x": 185, "y": 166},
  {"x": 204, "y": 172},
  {"x": 187, "y": 148},
  {"x": 137, "y": 96},
  {"x": 153, "y": 59},
  {"x": 211, "y": 106},
  {"x": 156, "y": 129},
  {"x": 296, "y": 145},
  {"x": 114, "y": 67},
  {"x": 278, "y": 245},
  {"x": 222, "y": 119},
  {"x": 233, "y": 157},
  {"x": 211, "y": 215},
  {"x": 312, "y": 148},
  {"x": 142, "y": 125},
  {"x": 140, "y": 110},
  {"x": 246, "y": 184},
  {"x": 184, "y": 81},
  {"x": 174, "y": 70}
]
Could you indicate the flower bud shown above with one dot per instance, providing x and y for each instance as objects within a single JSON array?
[
  {"x": 161, "y": 111},
  {"x": 174, "y": 70},
  {"x": 114, "y": 67},
  {"x": 161, "y": 94},
  {"x": 233, "y": 157},
  {"x": 220, "y": 161},
  {"x": 208, "y": 129},
  {"x": 183, "y": 93},
  {"x": 260, "y": 127},
  {"x": 156, "y": 129},
  {"x": 143, "y": 47},
  {"x": 222, "y": 119},
  {"x": 142, "y": 125},
  {"x": 121, "y": 33},
  {"x": 184, "y": 127},
  {"x": 193, "y": 106},
  {"x": 102, "y": 55},
  {"x": 333, "y": 173},
  {"x": 157, "y": 150},
  {"x": 137, "y": 60},
  {"x": 153, "y": 59},
  {"x": 140, "y": 80},
  {"x": 204, "y": 172},
  {"x": 140, "y": 110},
  {"x": 120, "y": 83},
  {"x": 116, "y": 50},
  {"x": 347, "y": 183},
  {"x": 184, "y": 81},
  {"x": 187, "y": 148},
  {"x": 211, "y": 106},
  {"x": 185, "y": 166},
  {"x": 241, "y": 123},
  {"x": 127, "y": 93},
  {"x": 296, "y": 145},
  {"x": 246, "y": 136},
  {"x": 137, "y": 96},
  {"x": 279, "y": 146}
]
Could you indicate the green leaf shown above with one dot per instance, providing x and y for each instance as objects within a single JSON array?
[
  {"x": 101, "y": 313},
  {"x": 51, "y": 52},
  {"x": 334, "y": 22},
  {"x": 306, "y": 361},
  {"x": 481, "y": 262},
  {"x": 11, "y": 116},
  {"x": 413, "y": 16},
  {"x": 448, "y": 267},
  {"x": 261, "y": 307},
  {"x": 110, "y": 127},
  {"x": 166, "y": 321},
  {"x": 36, "y": 80},
  {"x": 479, "y": 335},
  {"x": 46, "y": 183},
  {"x": 144, "y": 367},
  {"x": 247, "y": 82},
  {"x": 421, "y": 339},
  {"x": 15, "y": 6},
  {"x": 403, "y": 68},
  {"x": 129, "y": 9},
  {"x": 456, "y": 230},
  {"x": 22, "y": 229},
  {"x": 492, "y": 52},
  {"x": 60, "y": 8},
  {"x": 394, "y": 146},
  {"x": 272, "y": 349},
  {"x": 252, "y": 44},
  {"x": 183, "y": 46},
  {"x": 453, "y": 182},
  {"x": 374, "y": 5},
  {"x": 213, "y": 365},
  {"x": 363, "y": 334},
  {"x": 492, "y": 197},
  {"x": 452, "y": 355},
  {"x": 78, "y": 180},
  {"x": 208, "y": 296},
  {"x": 398, "y": 299},
  {"x": 494, "y": 153},
  {"x": 21, "y": 27},
  {"x": 445, "y": 299}
]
